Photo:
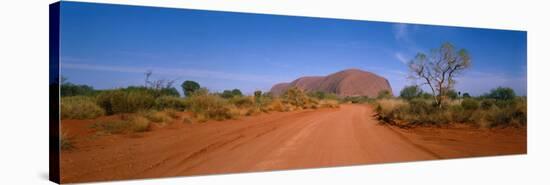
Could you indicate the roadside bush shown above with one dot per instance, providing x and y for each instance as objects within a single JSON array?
[
  {"x": 389, "y": 110},
  {"x": 69, "y": 89},
  {"x": 111, "y": 126},
  {"x": 139, "y": 124},
  {"x": 242, "y": 101},
  {"x": 298, "y": 98},
  {"x": 276, "y": 105},
  {"x": 170, "y": 102},
  {"x": 125, "y": 101},
  {"x": 469, "y": 104},
  {"x": 357, "y": 99},
  {"x": 501, "y": 93},
  {"x": 487, "y": 104},
  {"x": 295, "y": 97},
  {"x": 513, "y": 114},
  {"x": 421, "y": 106},
  {"x": 134, "y": 123},
  {"x": 410, "y": 92},
  {"x": 80, "y": 107},
  {"x": 157, "y": 116},
  {"x": 207, "y": 106},
  {"x": 329, "y": 104},
  {"x": 172, "y": 113},
  {"x": 487, "y": 113}
]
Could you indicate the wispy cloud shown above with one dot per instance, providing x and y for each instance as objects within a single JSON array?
[
  {"x": 401, "y": 58},
  {"x": 400, "y": 31},
  {"x": 178, "y": 72}
]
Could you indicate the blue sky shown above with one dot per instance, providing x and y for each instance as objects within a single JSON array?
[{"x": 110, "y": 46}]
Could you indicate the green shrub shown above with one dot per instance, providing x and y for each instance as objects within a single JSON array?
[
  {"x": 410, "y": 92},
  {"x": 69, "y": 89},
  {"x": 487, "y": 104},
  {"x": 170, "y": 102},
  {"x": 207, "y": 106},
  {"x": 80, "y": 107},
  {"x": 299, "y": 99},
  {"x": 125, "y": 101},
  {"x": 512, "y": 114},
  {"x": 487, "y": 113},
  {"x": 389, "y": 110},
  {"x": 231, "y": 93},
  {"x": 463, "y": 113},
  {"x": 189, "y": 87},
  {"x": 469, "y": 104},
  {"x": 295, "y": 96},
  {"x": 421, "y": 106},
  {"x": 242, "y": 101},
  {"x": 501, "y": 93}
]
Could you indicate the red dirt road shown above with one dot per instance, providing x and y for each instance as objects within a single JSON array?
[{"x": 289, "y": 140}]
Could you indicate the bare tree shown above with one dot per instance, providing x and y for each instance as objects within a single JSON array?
[
  {"x": 439, "y": 69},
  {"x": 157, "y": 84}
]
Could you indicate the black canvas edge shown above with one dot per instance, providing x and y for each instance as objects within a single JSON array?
[{"x": 54, "y": 145}]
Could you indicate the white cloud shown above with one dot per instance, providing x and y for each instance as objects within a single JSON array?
[
  {"x": 401, "y": 58},
  {"x": 401, "y": 31}
]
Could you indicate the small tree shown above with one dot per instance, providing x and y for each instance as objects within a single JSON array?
[
  {"x": 439, "y": 69},
  {"x": 236, "y": 92},
  {"x": 466, "y": 95},
  {"x": 231, "y": 93},
  {"x": 189, "y": 87},
  {"x": 258, "y": 94},
  {"x": 502, "y": 93},
  {"x": 410, "y": 92}
]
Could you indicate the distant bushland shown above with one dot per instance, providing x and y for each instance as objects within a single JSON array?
[
  {"x": 160, "y": 103},
  {"x": 482, "y": 111}
]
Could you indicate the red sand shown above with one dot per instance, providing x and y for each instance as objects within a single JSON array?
[{"x": 348, "y": 135}]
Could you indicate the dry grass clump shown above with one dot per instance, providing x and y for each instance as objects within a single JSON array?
[
  {"x": 390, "y": 109},
  {"x": 207, "y": 106},
  {"x": 134, "y": 123},
  {"x": 329, "y": 104},
  {"x": 80, "y": 107},
  {"x": 140, "y": 124}
]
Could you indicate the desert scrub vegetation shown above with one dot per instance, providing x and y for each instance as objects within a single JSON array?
[
  {"x": 80, "y": 107},
  {"x": 158, "y": 102},
  {"x": 205, "y": 106},
  {"x": 480, "y": 111},
  {"x": 132, "y": 123},
  {"x": 161, "y": 117}
]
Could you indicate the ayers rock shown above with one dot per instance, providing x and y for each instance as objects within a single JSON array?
[{"x": 350, "y": 82}]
